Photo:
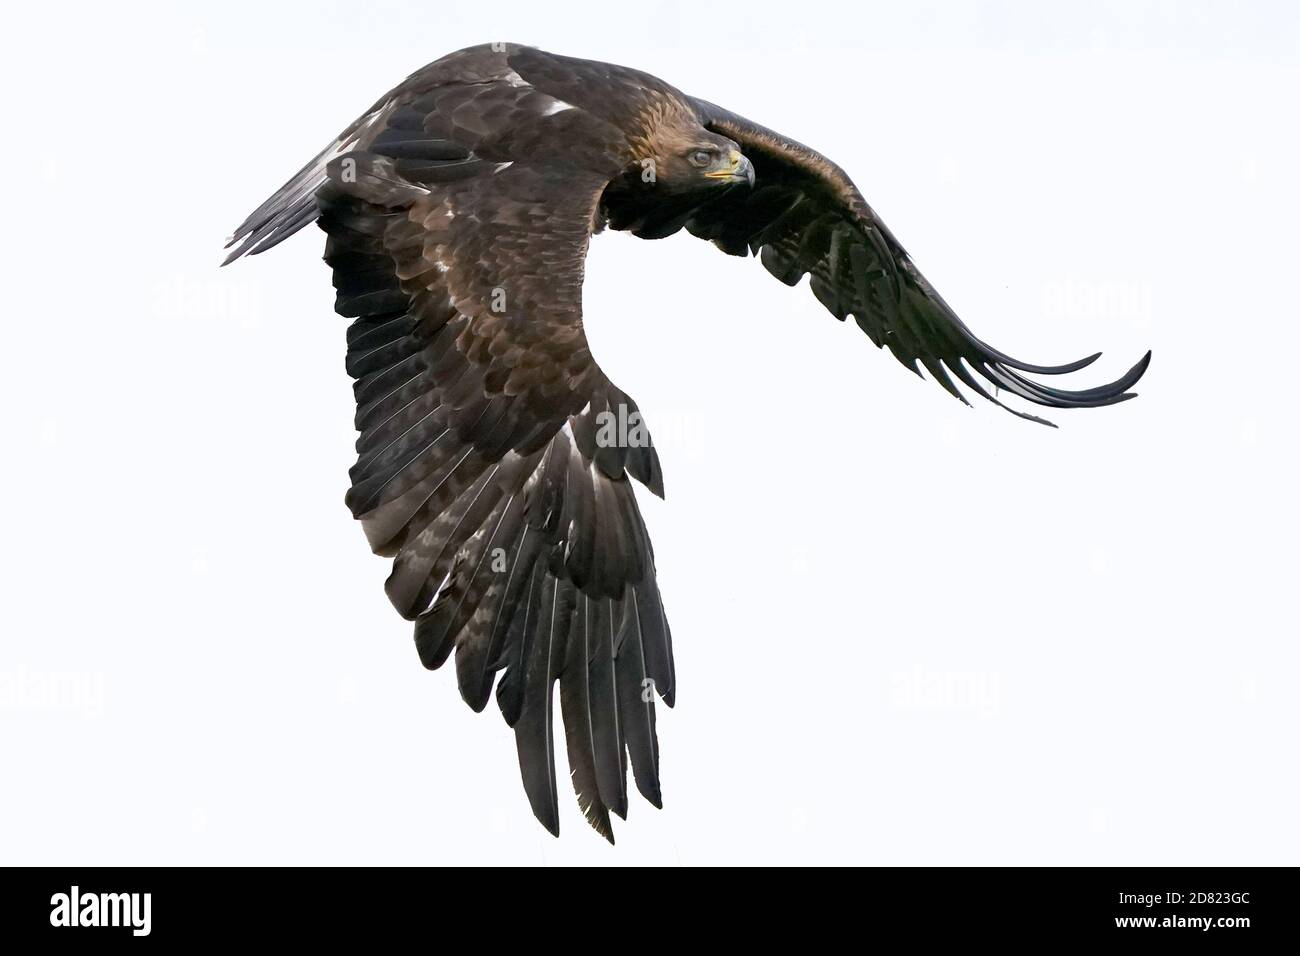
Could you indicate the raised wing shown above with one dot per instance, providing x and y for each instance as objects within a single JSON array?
[
  {"x": 805, "y": 216},
  {"x": 485, "y": 464}
]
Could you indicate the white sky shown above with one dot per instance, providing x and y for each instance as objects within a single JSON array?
[{"x": 906, "y": 631}]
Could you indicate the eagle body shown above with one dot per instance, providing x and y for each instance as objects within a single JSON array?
[{"x": 458, "y": 212}]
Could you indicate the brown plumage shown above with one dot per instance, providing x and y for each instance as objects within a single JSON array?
[{"x": 493, "y": 460}]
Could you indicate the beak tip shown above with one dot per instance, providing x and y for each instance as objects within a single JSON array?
[{"x": 746, "y": 170}]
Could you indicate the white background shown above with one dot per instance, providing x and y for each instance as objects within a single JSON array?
[{"x": 906, "y": 631}]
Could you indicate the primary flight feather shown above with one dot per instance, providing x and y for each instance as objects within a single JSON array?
[{"x": 494, "y": 455}]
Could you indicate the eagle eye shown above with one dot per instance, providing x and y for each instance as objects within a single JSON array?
[{"x": 701, "y": 158}]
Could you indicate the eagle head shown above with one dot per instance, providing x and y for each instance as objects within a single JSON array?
[{"x": 688, "y": 160}]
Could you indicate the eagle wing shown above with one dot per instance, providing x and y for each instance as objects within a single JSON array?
[
  {"x": 805, "y": 216},
  {"x": 481, "y": 470}
]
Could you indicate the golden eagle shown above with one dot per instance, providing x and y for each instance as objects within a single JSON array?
[{"x": 458, "y": 211}]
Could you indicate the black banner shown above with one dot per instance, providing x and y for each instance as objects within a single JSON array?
[{"x": 1178, "y": 907}]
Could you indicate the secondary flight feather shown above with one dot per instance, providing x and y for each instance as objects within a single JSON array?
[{"x": 494, "y": 457}]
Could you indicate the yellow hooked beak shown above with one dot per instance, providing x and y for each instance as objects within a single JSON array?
[{"x": 740, "y": 170}]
